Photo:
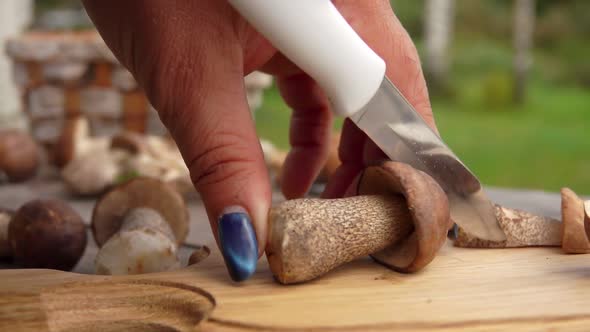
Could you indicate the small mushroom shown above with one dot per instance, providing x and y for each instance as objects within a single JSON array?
[
  {"x": 47, "y": 234},
  {"x": 138, "y": 226},
  {"x": 524, "y": 229},
  {"x": 400, "y": 217},
  {"x": 75, "y": 141},
  {"x": 5, "y": 218},
  {"x": 92, "y": 174},
  {"x": 19, "y": 155},
  {"x": 155, "y": 157}
]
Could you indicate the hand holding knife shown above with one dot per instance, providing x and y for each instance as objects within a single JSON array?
[{"x": 314, "y": 36}]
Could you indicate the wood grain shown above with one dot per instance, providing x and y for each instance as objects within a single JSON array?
[{"x": 462, "y": 289}]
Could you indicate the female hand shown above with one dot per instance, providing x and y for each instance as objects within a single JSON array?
[{"x": 190, "y": 57}]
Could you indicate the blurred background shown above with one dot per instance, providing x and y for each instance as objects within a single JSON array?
[{"x": 509, "y": 82}]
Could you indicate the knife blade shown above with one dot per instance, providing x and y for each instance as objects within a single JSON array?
[
  {"x": 399, "y": 131},
  {"x": 314, "y": 36}
]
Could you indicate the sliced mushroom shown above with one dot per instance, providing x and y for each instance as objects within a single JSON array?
[
  {"x": 574, "y": 240},
  {"x": 400, "y": 218},
  {"x": 524, "y": 229}
]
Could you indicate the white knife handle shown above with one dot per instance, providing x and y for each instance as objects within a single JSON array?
[{"x": 314, "y": 36}]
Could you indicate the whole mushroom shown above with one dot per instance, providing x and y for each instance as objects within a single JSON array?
[
  {"x": 138, "y": 226},
  {"x": 47, "y": 234},
  {"x": 19, "y": 155},
  {"x": 399, "y": 216},
  {"x": 75, "y": 141}
]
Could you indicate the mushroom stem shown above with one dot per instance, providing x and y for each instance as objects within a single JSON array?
[
  {"x": 144, "y": 243},
  {"x": 524, "y": 229},
  {"x": 309, "y": 237}
]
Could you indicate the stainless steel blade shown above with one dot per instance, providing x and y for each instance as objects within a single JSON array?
[{"x": 393, "y": 124}]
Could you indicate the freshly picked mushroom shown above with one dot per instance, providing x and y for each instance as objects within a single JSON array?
[
  {"x": 138, "y": 226},
  {"x": 400, "y": 217},
  {"x": 524, "y": 229},
  {"x": 19, "y": 155},
  {"x": 75, "y": 142},
  {"x": 94, "y": 173},
  {"x": 45, "y": 234},
  {"x": 153, "y": 156}
]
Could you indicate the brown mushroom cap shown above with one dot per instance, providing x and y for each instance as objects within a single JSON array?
[
  {"x": 428, "y": 206},
  {"x": 5, "y": 218},
  {"x": 19, "y": 155},
  {"x": 574, "y": 239},
  {"x": 47, "y": 234},
  {"x": 111, "y": 209}
]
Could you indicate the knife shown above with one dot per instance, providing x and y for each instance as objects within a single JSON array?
[{"x": 314, "y": 36}]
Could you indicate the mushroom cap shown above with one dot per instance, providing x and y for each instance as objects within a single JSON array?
[
  {"x": 573, "y": 236},
  {"x": 110, "y": 210},
  {"x": 19, "y": 155},
  {"x": 428, "y": 206},
  {"x": 5, "y": 218},
  {"x": 47, "y": 234}
]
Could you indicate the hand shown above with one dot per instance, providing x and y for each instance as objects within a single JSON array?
[{"x": 190, "y": 57}]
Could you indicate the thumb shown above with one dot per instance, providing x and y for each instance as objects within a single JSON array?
[{"x": 214, "y": 130}]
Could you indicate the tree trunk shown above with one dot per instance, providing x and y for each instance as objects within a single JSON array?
[
  {"x": 438, "y": 29},
  {"x": 524, "y": 24}
]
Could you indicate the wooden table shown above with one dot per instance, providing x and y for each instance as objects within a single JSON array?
[{"x": 463, "y": 289}]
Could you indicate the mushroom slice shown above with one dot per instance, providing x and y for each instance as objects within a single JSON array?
[{"x": 574, "y": 239}]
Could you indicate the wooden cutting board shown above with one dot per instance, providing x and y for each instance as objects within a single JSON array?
[{"x": 463, "y": 289}]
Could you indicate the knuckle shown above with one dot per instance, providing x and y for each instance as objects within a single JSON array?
[{"x": 222, "y": 161}]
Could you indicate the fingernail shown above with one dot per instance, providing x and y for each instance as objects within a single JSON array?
[{"x": 238, "y": 243}]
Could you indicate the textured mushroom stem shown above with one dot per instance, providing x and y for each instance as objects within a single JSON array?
[
  {"x": 145, "y": 243},
  {"x": 522, "y": 229},
  {"x": 309, "y": 237}
]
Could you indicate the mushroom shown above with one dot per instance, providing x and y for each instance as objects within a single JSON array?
[
  {"x": 153, "y": 156},
  {"x": 400, "y": 217},
  {"x": 524, "y": 229},
  {"x": 199, "y": 255},
  {"x": 75, "y": 141},
  {"x": 47, "y": 234},
  {"x": 5, "y": 218},
  {"x": 587, "y": 218},
  {"x": 138, "y": 226},
  {"x": 92, "y": 173},
  {"x": 574, "y": 239},
  {"x": 19, "y": 155}
]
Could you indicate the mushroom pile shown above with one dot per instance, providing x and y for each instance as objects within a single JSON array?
[{"x": 92, "y": 165}]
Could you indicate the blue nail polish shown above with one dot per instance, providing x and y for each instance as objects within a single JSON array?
[{"x": 238, "y": 244}]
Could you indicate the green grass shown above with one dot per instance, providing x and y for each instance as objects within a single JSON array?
[{"x": 544, "y": 144}]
